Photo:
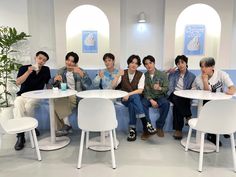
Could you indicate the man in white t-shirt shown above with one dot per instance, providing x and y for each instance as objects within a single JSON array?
[{"x": 213, "y": 80}]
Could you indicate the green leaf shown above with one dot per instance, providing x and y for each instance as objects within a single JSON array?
[{"x": 8, "y": 65}]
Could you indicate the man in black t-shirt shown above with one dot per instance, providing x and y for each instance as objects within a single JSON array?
[{"x": 30, "y": 77}]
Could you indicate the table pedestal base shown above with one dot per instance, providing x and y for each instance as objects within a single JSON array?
[
  {"x": 194, "y": 146},
  {"x": 96, "y": 144},
  {"x": 45, "y": 144}
]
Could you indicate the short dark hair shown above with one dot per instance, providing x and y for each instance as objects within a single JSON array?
[
  {"x": 207, "y": 61},
  {"x": 149, "y": 57},
  {"x": 42, "y": 53},
  {"x": 108, "y": 55},
  {"x": 74, "y": 55},
  {"x": 181, "y": 57},
  {"x": 132, "y": 57}
]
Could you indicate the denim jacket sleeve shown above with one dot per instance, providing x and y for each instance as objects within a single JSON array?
[
  {"x": 172, "y": 82},
  {"x": 96, "y": 82},
  {"x": 86, "y": 81}
]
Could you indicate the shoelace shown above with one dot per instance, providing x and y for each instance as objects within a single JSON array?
[
  {"x": 131, "y": 133},
  {"x": 150, "y": 128}
]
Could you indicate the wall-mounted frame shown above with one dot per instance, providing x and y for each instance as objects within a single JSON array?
[
  {"x": 89, "y": 41},
  {"x": 194, "y": 39}
]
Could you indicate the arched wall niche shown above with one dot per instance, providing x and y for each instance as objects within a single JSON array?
[
  {"x": 198, "y": 14},
  {"x": 87, "y": 33}
]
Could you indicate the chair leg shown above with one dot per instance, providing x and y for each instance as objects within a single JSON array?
[
  {"x": 36, "y": 145},
  {"x": 112, "y": 151},
  {"x": 0, "y": 140},
  {"x": 201, "y": 152},
  {"x": 217, "y": 142},
  {"x": 81, "y": 149},
  {"x": 31, "y": 139},
  {"x": 188, "y": 138},
  {"x": 115, "y": 140},
  {"x": 87, "y": 140},
  {"x": 233, "y": 150}
]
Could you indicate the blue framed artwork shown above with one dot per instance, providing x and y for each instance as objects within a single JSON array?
[
  {"x": 89, "y": 41},
  {"x": 194, "y": 39}
]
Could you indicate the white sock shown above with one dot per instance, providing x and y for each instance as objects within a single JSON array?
[{"x": 66, "y": 121}]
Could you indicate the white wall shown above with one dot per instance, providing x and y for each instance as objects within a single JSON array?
[
  {"x": 34, "y": 18},
  {"x": 172, "y": 11},
  {"x": 14, "y": 14},
  {"x": 82, "y": 19},
  {"x": 212, "y": 36},
  {"x": 42, "y": 29},
  {"x": 62, "y": 9},
  {"x": 37, "y": 18},
  {"x": 146, "y": 42},
  {"x": 233, "y": 54}
]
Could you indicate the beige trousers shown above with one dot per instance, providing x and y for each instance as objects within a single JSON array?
[
  {"x": 24, "y": 106},
  {"x": 63, "y": 108}
]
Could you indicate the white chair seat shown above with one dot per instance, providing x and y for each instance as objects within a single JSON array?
[
  {"x": 20, "y": 125},
  {"x": 26, "y": 124},
  {"x": 192, "y": 122}
]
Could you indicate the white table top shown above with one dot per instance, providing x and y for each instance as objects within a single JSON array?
[
  {"x": 202, "y": 95},
  {"x": 109, "y": 94},
  {"x": 48, "y": 93}
]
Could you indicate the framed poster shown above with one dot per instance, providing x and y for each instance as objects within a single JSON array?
[
  {"x": 194, "y": 39},
  {"x": 89, "y": 41}
]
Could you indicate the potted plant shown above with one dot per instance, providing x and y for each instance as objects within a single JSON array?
[{"x": 9, "y": 37}]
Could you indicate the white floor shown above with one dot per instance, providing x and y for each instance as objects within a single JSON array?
[{"x": 163, "y": 157}]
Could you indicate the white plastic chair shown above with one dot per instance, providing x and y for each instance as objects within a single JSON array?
[
  {"x": 96, "y": 115},
  {"x": 216, "y": 117},
  {"x": 20, "y": 125}
]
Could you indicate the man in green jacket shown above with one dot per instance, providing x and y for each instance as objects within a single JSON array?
[{"x": 155, "y": 92}]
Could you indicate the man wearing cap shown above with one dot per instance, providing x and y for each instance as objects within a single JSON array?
[{"x": 181, "y": 79}]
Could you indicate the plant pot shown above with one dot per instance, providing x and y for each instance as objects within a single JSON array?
[{"x": 6, "y": 113}]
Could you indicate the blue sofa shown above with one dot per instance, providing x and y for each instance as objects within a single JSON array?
[{"x": 42, "y": 111}]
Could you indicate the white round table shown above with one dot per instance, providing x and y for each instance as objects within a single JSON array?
[
  {"x": 53, "y": 142},
  {"x": 201, "y": 95},
  {"x": 108, "y": 94},
  {"x": 101, "y": 143}
]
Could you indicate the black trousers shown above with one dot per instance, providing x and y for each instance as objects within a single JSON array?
[{"x": 181, "y": 109}]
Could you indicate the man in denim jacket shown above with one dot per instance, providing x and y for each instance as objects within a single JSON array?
[
  {"x": 181, "y": 79},
  {"x": 75, "y": 78}
]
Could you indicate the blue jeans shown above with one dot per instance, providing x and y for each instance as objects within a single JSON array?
[
  {"x": 163, "y": 106},
  {"x": 135, "y": 108}
]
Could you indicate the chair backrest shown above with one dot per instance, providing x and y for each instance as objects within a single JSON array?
[
  {"x": 218, "y": 117},
  {"x": 96, "y": 114}
]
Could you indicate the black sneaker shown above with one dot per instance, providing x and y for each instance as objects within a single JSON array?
[
  {"x": 20, "y": 143},
  {"x": 132, "y": 135},
  {"x": 65, "y": 130},
  {"x": 212, "y": 138},
  {"x": 150, "y": 129}
]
